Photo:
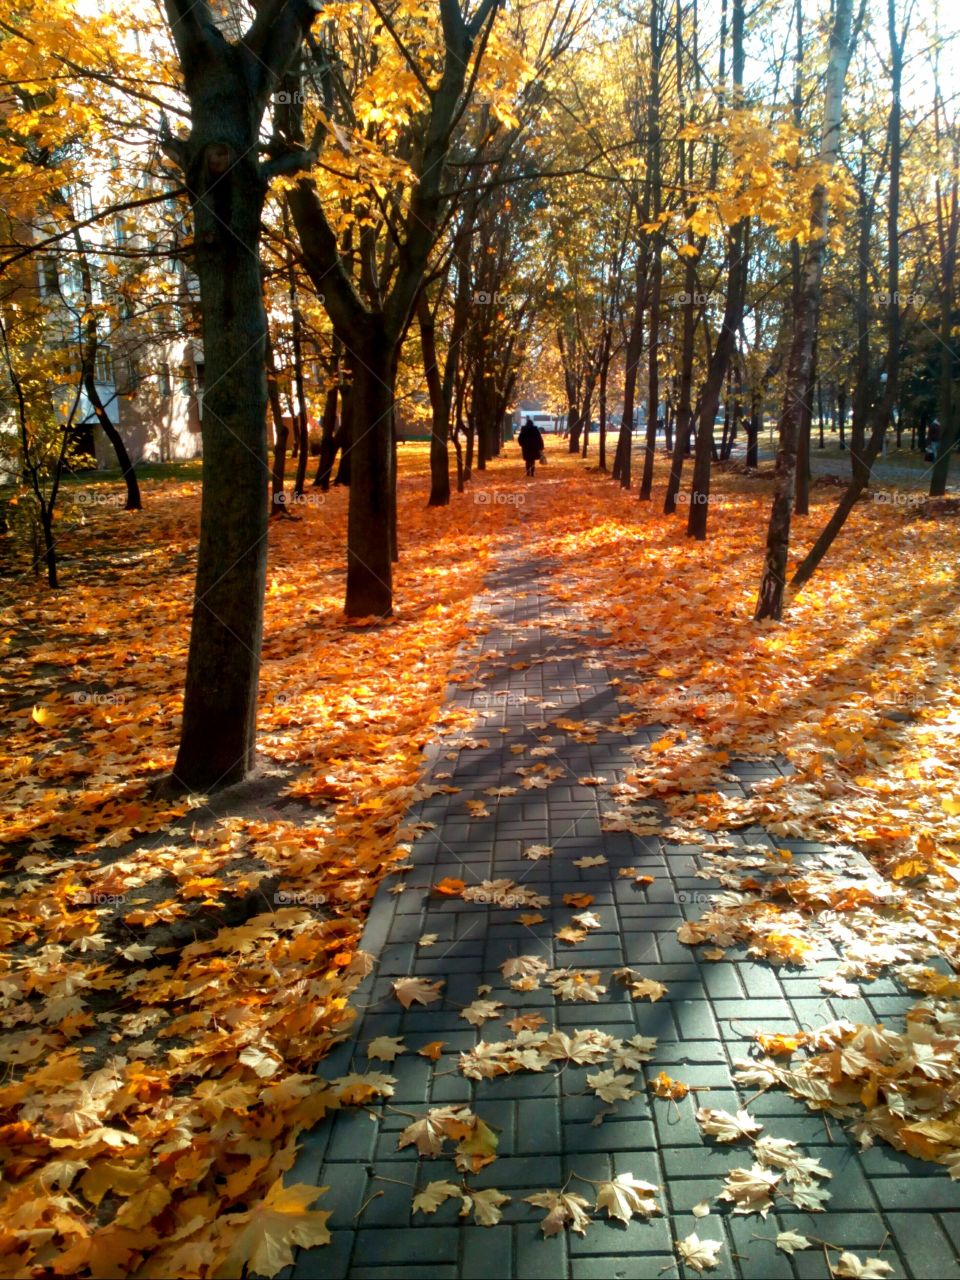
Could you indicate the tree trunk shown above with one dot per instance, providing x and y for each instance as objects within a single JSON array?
[
  {"x": 279, "y": 467},
  {"x": 802, "y": 501},
  {"x": 328, "y": 440},
  {"x": 604, "y": 370},
  {"x": 725, "y": 344},
  {"x": 439, "y": 408},
  {"x": 773, "y": 581},
  {"x": 369, "y": 539},
  {"x": 681, "y": 443},
  {"x": 863, "y": 462},
  {"x": 220, "y": 697},
  {"x": 653, "y": 375}
]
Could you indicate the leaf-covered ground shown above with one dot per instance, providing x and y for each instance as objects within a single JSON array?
[{"x": 174, "y": 972}]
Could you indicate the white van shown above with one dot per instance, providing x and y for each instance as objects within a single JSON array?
[{"x": 547, "y": 422}]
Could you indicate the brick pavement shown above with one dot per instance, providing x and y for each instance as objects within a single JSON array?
[{"x": 878, "y": 1198}]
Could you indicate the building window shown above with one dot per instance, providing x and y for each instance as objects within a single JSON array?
[
  {"x": 165, "y": 380},
  {"x": 186, "y": 380},
  {"x": 103, "y": 365},
  {"x": 49, "y": 277}
]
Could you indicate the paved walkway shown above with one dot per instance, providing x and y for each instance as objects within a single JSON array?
[{"x": 880, "y": 1200}]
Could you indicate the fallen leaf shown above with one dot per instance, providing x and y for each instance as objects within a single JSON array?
[{"x": 700, "y": 1255}]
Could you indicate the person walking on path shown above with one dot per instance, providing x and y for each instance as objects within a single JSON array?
[{"x": 531, "y": 444}]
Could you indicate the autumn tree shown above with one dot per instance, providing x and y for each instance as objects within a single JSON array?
[{"x": 228, "y": 84}]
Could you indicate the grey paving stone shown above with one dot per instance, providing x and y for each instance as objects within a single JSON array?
[
  {"x": 637, "y": 1267},
  {"x": 331, "y": 1262},
  {"x": 538, "y": 1257},
  {"x": 487, "y": 1252},
  {"x": 422, "y": 1246},
  {"x": 933, "y": 1193},
  {"x": 923, "y": 1245}
]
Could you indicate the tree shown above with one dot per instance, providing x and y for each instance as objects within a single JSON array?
[
  {"x": 371, "y": 327},
  {"x": 773, "y": 582},
  {"x": 228, "y": 84}
]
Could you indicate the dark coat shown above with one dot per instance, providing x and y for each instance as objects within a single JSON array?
[{"x": 530, "y": 441}]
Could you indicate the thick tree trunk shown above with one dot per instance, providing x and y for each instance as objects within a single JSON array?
[
  {"x": 369, "y": 523},
  {"x": 220, "y": 697}
]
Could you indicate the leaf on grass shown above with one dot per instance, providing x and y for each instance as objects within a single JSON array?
[
  {"x": 417, "y": 990},
  {"x": 565, "y": 1209},
  {"x": 627, "y": 1195}
]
